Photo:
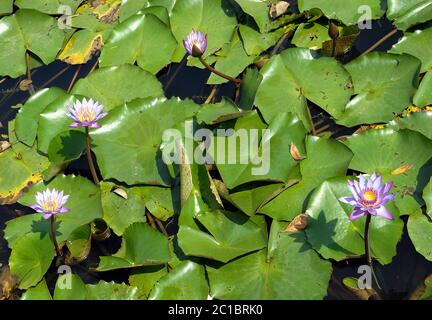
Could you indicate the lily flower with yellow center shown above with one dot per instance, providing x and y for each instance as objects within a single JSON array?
[
  {"x": 369, "y": 196},
  {"x": 50, "y": 203},
  {"x": 86, "y": 114}
]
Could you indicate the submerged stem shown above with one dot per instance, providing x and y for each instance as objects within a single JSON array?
[
  {"x": 220, "y": 74},
  {"x": 90, "y": 159},
  {"x": 54, "y": 238}
]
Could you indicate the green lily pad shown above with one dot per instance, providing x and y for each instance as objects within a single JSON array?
[
  {"x": 348, "y": 13},
  {"x": 141, "y": 246},
  {"x": 142, "y": 38},
  {"x": 427, "y": 196},
  {"x": 20, "y": 168},
  {"x": 27, "y": 119},
  {"x": 298, "y": 74},
  {"x": 48, "y": 6},
  {"x": 417, "y": 121},
  {"x": 28, "y": 30},
  {"x": 310, "y": 35},
  {"x": 230, "y": 234},
  {"x": 161, "y": 202},
  {"x": 418, "y": 45},
  {"x": 265, "y": 163},
  {"x": 39, "y": 292},
  {"x": 233, "y": 62},
  {"x": 144, "y": 278},
  {"x": 30, "y": 259},
  {"x": 250, "y": 84},
  {"x": 387, "y": 151},
  {"x": 186, "y": 282},
  {"x": 6, "y": 7},
  {"x": 255, "y": 42},
  {"x": 325, "y": 159},
  {"x": 66, "y": 146},
  {"x": 134, "y": 131},
  {"x": 82, "y": 46},
  {"x": 381, "y": 94},
  {"x": 409, "y": 13},
  {"x": 334, "y": 236},
  {"x": 117, "y": 85},
  {"x": 250, "y": 200},
  {"x": 420, "y": 233},
  {"x": 276, "y": 273},
  {"x": 84, "y": 204},
  {"x": 423, "y": 96},
  {"x": 111, "y": 291},
  {"x": 120, "y": 213},
  {"x": 219, "y": 112},
  {"x": 53, "y": 121},
  {"x": 70, "y": 287}
]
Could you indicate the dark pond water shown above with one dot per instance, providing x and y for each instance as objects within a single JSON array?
[{"x": 397, "y": 279}]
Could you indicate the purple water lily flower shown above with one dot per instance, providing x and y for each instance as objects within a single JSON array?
[
  {"x": 369, "y": 197},
  {"x": 86, "y": 114},
  {"x": 195, "y": 43},
  {"x": 50, "y": 203}
]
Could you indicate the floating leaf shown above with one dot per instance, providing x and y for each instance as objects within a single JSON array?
[
  {"x": 186, "y": 282},
  {"x": 20, "y": 168},
  {"x": 81, "y": 47},
  {"x": 230, "y": 234},
  {"x": 381, "y": 94},
  {"x": 310, "y": 35},
  {"x": 48, "y": 6},
  {"x": 66, "y": 146},
  {"x": 276, "y": 273},
  {"x": 142, "y": 38},
  {"x": 427, "y": 196},
  {"x": 271, "y": 161},
  {"x": 141, "y": 246},
  {"x": 417, "y": 121},
  {"x": 27, "y": 30},
  {"x": 420, "y": 233},
  {"x": 325, "y": 159},
  {"x": 27, "y": 119},
  {"x": 31, "y": 258},
  {"x": 302, "y": 76},
  {"x": 417, "y": 44},
  {"x": 349, "y": 13},
  {"x": 115, "y": 207},
  {"x": 407, "y": 14},
  {"x": 39, "y": 292},
  {"x": 117, "y": 85},
  {"x": 120, "y": 140}
]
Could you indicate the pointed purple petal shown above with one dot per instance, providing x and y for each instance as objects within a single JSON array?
[
  {"x": 357, "y": 214},
  {"x": 383, "y": 212}
]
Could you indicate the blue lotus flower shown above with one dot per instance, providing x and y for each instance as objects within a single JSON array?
[
  {"x": 86, "y": 114},
  {"x": 369, "y": 196},
  {"x": 195, "y": 43},
  {"x": 50, "y": 203}
]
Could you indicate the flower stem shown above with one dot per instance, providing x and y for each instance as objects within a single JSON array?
[
  {"x": 54, "y": 238},
  {"x": 220, "y": 74},
  {"x": 90, "y": 159},
  {"x": 366, "y": 239}
]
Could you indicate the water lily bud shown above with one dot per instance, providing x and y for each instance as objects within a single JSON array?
[
  {"x": 333, "y": 31},
  {"x": 195, "y": 43}
]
